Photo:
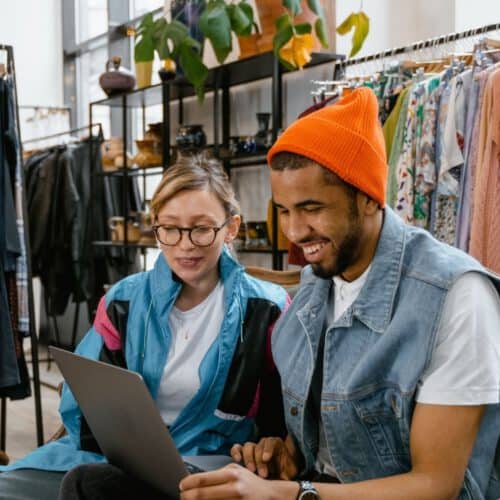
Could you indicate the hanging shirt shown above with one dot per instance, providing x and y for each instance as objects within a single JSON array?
[
  {"x": 193, "y": 332},
  {"x": 485, "y": 224},
  {"x": 425, "y": 161},
  {"x": 451, "y": 159}
]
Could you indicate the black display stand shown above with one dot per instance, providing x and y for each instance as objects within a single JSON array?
[{"x": 220, "y": 80}]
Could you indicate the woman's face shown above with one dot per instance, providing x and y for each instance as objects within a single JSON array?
[{"x": 198, "y": 208}]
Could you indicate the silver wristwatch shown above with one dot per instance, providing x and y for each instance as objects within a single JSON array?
[{"x": 307, "y": 491}]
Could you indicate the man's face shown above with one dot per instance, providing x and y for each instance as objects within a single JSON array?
[{"x": 321, "y": 218}]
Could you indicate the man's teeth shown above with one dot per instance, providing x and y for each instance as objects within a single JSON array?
[{"x": 310, "y": 249}]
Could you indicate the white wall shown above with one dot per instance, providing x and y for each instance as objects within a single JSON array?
[
  {"x": 34, "y": 29},
  {"x": 395, "y": 23},
  {"x": 471, "y": 14}
]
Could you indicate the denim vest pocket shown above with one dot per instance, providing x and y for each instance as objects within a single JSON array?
[{"x": 382, "y": 415}]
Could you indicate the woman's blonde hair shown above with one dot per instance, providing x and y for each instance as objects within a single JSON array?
[{"x": 194, "y": 172}]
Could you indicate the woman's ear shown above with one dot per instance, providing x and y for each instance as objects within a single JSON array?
[{"x": 233, "y": 226}]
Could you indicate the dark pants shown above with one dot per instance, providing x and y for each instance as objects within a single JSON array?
[{"x": 105, "y": 482}]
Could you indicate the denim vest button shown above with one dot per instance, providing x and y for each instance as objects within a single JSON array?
[{"x": 294, "y": 411}]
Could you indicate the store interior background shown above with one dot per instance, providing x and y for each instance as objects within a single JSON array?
[{"x": 35, "y": 29}]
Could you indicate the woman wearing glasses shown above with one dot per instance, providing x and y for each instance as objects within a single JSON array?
[{"x": 196, "y": 327}]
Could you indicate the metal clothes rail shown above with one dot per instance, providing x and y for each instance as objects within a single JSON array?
[
  {"x": 423, "y": 44},
  {"x": 66, "y": 132}
]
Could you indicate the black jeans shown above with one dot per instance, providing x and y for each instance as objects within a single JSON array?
[{"x": 105, "y": 482}]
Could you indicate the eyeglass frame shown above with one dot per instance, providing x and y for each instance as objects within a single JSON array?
[{"x": 189, "y": 230}]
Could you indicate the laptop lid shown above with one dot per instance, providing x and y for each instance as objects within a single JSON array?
[{"x": 124, "y": 420}]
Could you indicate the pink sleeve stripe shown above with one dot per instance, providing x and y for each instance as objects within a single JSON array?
[
  {"x": 252, "y": 412},
  {"x": 105, "y": 328}
]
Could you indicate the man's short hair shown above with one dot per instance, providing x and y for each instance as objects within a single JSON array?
[{"x": 293, "y": 161}]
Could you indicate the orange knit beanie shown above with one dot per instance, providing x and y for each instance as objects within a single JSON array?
[{"x": 346, "y": 138}]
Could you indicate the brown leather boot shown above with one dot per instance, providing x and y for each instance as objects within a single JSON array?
[{"x": 4, "y": 458}]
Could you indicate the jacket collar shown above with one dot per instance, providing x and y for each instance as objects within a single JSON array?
[
  {"x": 165, "y": 287},
  {"x": 375, "y": 302}
]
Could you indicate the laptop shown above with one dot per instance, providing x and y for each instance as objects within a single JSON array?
[{"x": 126, "y": 423}]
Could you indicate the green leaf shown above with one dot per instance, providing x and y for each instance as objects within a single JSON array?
[
  {"x": 240, "y": 23},
  {"x": 361, "y": 24},
  {"x": 177, "y": 31},
  {"x": 281, "y": 38},
  {"x": 247, "y": 9},
  {"x": 194, "y": 69},
  {"x": 321, "y": 31},
  {"x": 144, "y": 49},
  {"x": 346, "y": 25},
  {"x": 293, "y": 6},
  {"x": 303, "y": 28},
  {"x": 315, "y": 6},
  {"x": 362, "y": 27},
  {"x": 147, "y": 22},
  {"x": 168, "y": 37},
  {"x": 216, "y": 26},
  {"x": 283, "y": 21}
]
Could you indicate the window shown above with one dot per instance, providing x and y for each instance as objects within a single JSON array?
[
  {"x": 141, "y": 7},
  {"x": 90, "y": 66},
  {"x": 91, "y": 19}
]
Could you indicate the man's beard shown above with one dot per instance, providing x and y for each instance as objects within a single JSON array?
[{"x": 347, "y": 251}]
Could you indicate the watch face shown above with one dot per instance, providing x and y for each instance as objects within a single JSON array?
[{"x": 309, "y": 495}]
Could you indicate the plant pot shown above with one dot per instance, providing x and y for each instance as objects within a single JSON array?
[
  {"x": 150, "y": 153},
  {"x": 143, "y": 72},
  {"x": 191, "y": 138},
  {"x": 269, "y": 11},
  {"x": 117, "y": 228},
  {"x": 249, "y": 45}
]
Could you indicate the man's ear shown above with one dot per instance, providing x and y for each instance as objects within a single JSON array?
[
  {"x": 367, "y": 205},
  {"x": 233, "y": 226}
]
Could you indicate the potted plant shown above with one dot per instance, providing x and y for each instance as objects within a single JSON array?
[
  {"x": 144, "y": 50},
  {"x": 293, "y": 41}
]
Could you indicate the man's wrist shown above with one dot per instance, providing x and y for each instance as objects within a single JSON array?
[
  {"x": 307, "y": 491},
  {"x": 284, "y": 490}
]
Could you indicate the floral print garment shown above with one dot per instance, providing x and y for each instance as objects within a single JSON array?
[
  {"x": 405, "y": 170},
  {"x": 425, "y": 161}
]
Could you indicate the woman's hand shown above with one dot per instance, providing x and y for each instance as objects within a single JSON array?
[{"x": 269, "y": 458}]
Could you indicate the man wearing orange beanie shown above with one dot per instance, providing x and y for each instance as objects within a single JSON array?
[{"x": 389, "y": 355}]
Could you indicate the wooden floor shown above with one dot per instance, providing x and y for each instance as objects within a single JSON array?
[{"x": 21, "y": 422}]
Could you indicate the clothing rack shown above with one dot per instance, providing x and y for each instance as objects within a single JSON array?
[
  {"x": 422, "y": 44},
  {"x": 10, "y": 70},
  {"x": 77, "y": 307},
  {"x": 48, "y": 108},
  {"x": 66, "y": 132}
]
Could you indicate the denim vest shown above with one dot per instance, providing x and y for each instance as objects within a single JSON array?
[{"x": 374, "y": 356}]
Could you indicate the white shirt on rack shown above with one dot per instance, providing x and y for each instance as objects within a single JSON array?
[{"x": 193, "y": 332}]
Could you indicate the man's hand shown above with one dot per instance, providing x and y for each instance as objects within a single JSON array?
[
  {"x": 270, "y": 457},
  {"x": 234, "y": 481}
]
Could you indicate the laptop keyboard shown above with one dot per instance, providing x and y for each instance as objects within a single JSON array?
[{"x": 192, "y": 469}]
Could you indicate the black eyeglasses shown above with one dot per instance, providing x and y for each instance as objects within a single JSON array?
[{"x": 200, "y": 236}]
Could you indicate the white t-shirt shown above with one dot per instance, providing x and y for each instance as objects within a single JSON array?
[
  {"x": 465, "y": 366},
  {"x": 193, "y": 332}
]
